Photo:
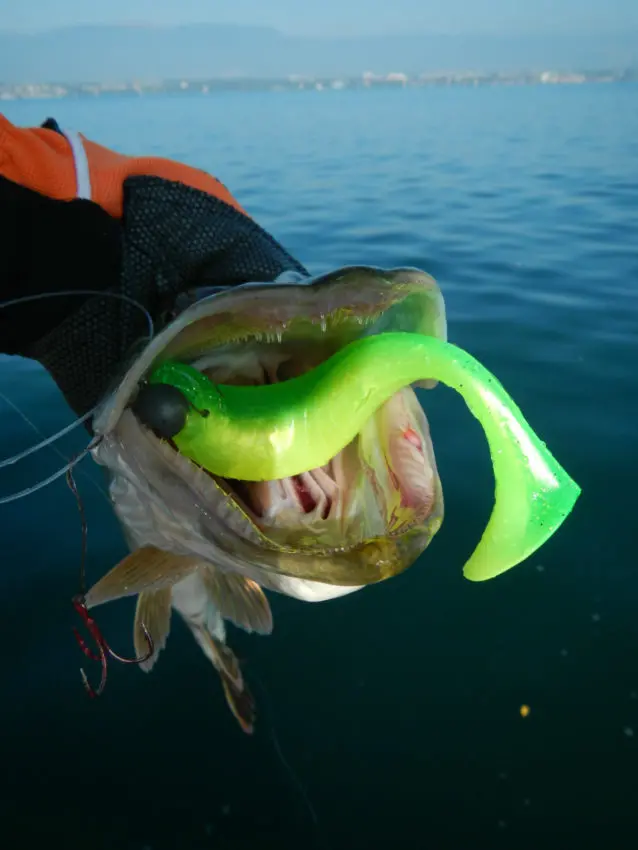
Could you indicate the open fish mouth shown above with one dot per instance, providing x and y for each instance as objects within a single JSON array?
[{"x": 365, "y": 515}]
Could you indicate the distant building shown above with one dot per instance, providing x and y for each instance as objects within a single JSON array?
[{"x": 398, "y": 77}]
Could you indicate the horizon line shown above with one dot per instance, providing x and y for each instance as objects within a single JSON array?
[{"x": 408, "y": 33}]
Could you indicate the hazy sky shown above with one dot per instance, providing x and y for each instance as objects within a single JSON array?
[{"x": 351, "y": 17}]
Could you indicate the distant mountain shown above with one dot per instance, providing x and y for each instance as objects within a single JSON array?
[{"x": 145, "y": 53}]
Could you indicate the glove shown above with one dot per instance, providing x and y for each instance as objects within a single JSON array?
[{"x": 149, "y": 236}]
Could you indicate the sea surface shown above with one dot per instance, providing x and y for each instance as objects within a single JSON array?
[{"x": 396, "y": 712}]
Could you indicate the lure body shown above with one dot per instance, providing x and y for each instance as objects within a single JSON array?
[{"x": 278, "y": 430}]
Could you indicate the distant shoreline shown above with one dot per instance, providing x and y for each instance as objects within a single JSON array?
[{"x": 49, "y": 90}]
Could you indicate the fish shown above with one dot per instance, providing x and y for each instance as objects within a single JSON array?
[{"x": 210, "y": 549}]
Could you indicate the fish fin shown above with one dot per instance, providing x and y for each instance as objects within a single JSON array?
[
  {"x": 147, "y": 568},
  {"x": 238, "y": 696},
  {"x": 242, "y": 705},
  {"x": 153, "y": 609},
  {"x": 227, "y": 664},
  {"x": 238, "y": 599}
]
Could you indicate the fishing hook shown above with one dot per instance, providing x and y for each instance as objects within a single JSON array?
[
  {"x": 79, "y": 604},
  {"x": 103, "y": 649}
]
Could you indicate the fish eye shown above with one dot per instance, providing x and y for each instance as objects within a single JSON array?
[{"x": 162, "y": 408}]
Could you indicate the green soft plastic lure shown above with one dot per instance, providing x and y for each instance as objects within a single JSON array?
[{"x": 267, "y": 432}]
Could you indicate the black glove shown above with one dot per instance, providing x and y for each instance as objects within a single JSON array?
[{"x": 171, "y": 238}]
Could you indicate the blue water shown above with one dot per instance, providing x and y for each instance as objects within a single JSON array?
[{"x": 398, "y": 707}]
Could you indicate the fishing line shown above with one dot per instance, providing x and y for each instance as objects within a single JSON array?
[
  {"x": 102, "y": 650},
  {"x": 80, "y": 420},
  {"x": 8, "y": 461},
  {"x": 286, "y": 764},
  {"x": 54, "y": 477},
  {"x": 48, "y": 440}
]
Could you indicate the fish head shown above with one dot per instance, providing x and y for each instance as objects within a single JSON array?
[{"x": 363, "y": 517}]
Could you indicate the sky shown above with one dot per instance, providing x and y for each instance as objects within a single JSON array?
[{"x": 336, "y": 17}]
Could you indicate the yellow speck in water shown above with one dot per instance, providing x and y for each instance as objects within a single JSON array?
[{"x": 525, "y": 710}]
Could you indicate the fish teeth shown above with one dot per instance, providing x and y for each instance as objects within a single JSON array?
[{"x": 277, "y": 334}]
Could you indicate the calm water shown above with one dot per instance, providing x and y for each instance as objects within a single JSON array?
[{"x": 398, "y": 707}]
